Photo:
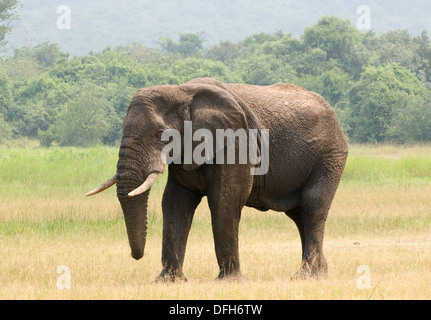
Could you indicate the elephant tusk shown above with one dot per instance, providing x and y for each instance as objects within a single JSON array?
[
  {"x": 104, "y": 186},
  {"x": 151, "y": 179}
]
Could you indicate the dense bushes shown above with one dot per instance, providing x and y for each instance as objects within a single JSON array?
[{"x": 380, "y": 86}]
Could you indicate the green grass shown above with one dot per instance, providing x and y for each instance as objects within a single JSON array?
[
  {"x": 44, "y": 172},
  {"x": 380, "y": 217},
  {"x": 383, "y": 165},
  {"x": 378, "y": 171}
]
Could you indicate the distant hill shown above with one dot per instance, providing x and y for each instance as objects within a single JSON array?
[{"x": 97, "y": 24}]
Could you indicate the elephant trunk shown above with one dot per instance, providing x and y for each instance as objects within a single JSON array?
[
  {"x": 134, "y": 208},
  {"x": 135, "y": 216},
  {"x": 137, "y": 170}
]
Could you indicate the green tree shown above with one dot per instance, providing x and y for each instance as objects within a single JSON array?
[
  {"x": 340, "y": 41},
  {"x": 189, "y": 68},
  {"x": 7, "y": 14},
  {"x": 36, "y": 104},
  {"x": 5, "y": 130},
  {"x": 423, "y": 50},
  {"x": 313, "y": 62},
  {"x": 5, "y": 94},
  {"x": 377, "y": 98},
  {"x": 84, "y": 120},
  {"x": 333, "y": 35},
  {"x": 264, "y": 70},
  {"x": 5, "y": 100},
  {"x": 189, "y": 44},
  {"x": 226, "y": 52},
  {"x": 334, "y": 86},
  {"x": 48, "y": 55},
  {"x": 259, "y": 39},
  {"x": 398, "y": 47},
  {"x": 413, "y": 122}
]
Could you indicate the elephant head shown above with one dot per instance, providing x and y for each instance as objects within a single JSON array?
[{"x": 152, "y": 111}]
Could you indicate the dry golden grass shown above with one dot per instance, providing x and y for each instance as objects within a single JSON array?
[{"x": 385, "y": 226}]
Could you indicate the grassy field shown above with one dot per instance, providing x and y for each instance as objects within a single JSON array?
[{"x": 380, "y": 219}]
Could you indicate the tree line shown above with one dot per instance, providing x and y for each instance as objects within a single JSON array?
[{"x": 379, "y": 85}]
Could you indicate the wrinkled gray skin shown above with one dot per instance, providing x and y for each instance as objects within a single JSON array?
[{"x": 308, "y": 151}]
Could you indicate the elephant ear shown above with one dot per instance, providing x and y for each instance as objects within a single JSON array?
[{"x": 213, "y": 108}]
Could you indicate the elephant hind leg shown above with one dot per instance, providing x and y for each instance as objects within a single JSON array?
[
  {"x": 309, "y": 266},
  {"x": 311, "y": 230},
  {"x": 310, "y": 218},
  {"x": 296, "y": 216}
]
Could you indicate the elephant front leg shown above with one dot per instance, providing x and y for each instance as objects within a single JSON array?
[
  {"x": 231, "y": 186},
  {"x": 179, "y": 205},
  {"x": 225, "y": 219}
]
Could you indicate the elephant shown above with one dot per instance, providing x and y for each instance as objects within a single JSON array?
[{"x": 307, "y": 155}]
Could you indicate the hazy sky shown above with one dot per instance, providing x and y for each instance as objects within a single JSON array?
[{"x": 96, "y": 24}]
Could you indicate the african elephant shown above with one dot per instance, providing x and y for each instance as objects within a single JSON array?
[{"x": 307, "y": 154}]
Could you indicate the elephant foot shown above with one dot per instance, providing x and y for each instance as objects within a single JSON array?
[
  {"x": 233, "y": 276},
  {"x": 306, "y": 273},
  {"x": 170, "y": 277},
  {"x": 302, "y": 275}
]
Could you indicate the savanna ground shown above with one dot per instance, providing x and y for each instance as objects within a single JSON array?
[{"x": 380, "y": 219}]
